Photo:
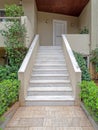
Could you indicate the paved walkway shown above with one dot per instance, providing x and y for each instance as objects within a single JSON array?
[{"x": 49, "y": 118}]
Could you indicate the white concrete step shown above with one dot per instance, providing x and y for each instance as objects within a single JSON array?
[
  {"x": 49, "y": 84},
  {"x": 49, "y": 100},
  {"x": 43, "y": 64},
  {"x": 52, "y": 52},
  {"x": 50, "y": 56},
  {"x": 50, "y": 61},
  {"x": 48, "y": 53},
  {"x": 49, "y": 66},
  {"x": 49, "y": 91},
  {"x": 50, "y": 71},
  {"x": 50, "y": 47},
  {"x": 50, "y": 76},
  {"x": 49, "y": 81}
]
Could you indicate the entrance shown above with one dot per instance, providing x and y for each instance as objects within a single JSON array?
[{"x": 59, "y": 28}]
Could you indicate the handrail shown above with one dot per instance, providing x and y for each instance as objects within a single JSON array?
[
  {"x": 25, "y": 70},
  {"x": 71, "y": 55},
  {"x": 10, "y": 17},
  {"x": 73, "y": 68}
]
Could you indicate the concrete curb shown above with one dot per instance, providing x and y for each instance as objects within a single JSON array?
[
  {"x": 8, "y": 115},
  {"x": 89, "y": 117}
]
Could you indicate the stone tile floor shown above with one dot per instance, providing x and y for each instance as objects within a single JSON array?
[{"x": 49, "y": 118}]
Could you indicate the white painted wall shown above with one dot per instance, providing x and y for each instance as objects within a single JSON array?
[
  {"x": 85, "y": 17},
  {"x": 94, "y": 24},
  {"x": 30, "y": 10},
  {"x": 79, "y": 42},
  {"x": 2, "y": 26},
  {"x": 7, "y": 2},
  {"x": 45, "y": 26}
]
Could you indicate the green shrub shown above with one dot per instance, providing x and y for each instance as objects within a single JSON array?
[
  {"x": 13, "y": 11},
  {"x": 94, "y": 58},
  {"x": 9, "y": 90},
  {"x": 89, "y": 96},
  {"x": 16, "y": 56},
  {"x": 82, "y": 65},
  {"x": 15, "y": 50},
  {"x": 84, "y": 30},
  {"x": 7, "y": 72}
]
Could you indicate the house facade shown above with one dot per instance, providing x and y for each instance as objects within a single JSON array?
[
  {"x": 50, "y": 21},
  {"x": 43, "y": 23}
]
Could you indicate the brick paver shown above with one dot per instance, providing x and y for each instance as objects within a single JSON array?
[{"x": 49, "y": 118}]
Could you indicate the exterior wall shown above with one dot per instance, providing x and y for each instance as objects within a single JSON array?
[
  {"x": 30, "y": 22},
  {"x": 2, "y": 26},
  {"x": 45, "y": 26},
  {"x": 79, "y": 43},
  {"x": 30, "y": 11},
  {"x": 85, "y": 17},
  {"x": 7, "y": 2},
  {"x": 94, "y": 24}
]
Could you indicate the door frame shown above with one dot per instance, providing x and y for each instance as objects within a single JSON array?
[{"x": 59, "y": 21}]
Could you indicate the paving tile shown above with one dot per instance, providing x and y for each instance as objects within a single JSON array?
[
  {"x": 35, "y": 122},
  {"x": 87, "y": 128},
  {"x": 49, "y": 118},
  {"x": 19, "y": 128}
]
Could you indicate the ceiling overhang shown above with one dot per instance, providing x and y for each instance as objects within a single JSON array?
[{"x": 66, "y": 7}]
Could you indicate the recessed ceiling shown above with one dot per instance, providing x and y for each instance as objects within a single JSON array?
[{"x": 67, "y": 7}]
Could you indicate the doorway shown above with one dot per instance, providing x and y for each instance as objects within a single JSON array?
[{"x": 59, "y": 28}]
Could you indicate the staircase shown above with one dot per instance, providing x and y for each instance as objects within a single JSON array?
[{"x": 50, "y": 81}]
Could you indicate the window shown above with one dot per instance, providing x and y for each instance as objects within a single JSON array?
[{"x": 2, "y": 14}]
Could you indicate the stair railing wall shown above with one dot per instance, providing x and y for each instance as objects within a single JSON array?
[
  {"x": 25, "y": 70},
  {"x": 73, "y": 68}
]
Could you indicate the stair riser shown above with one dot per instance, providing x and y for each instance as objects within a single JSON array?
[
  {"x": 49, "y": 67},
  {"x": 48, "y": 53},
  {"x": 51, "y": 103},
  {"x": 49, "y": 72},
  {"x": 49, "y": 78},
  {"x": 49, "y": 58},
  {"x": 50, "y": 48},
  {"x": 49, "y": 93},
  {"x": 49, "y": 85},
  {"x": 49, "y": 62}
]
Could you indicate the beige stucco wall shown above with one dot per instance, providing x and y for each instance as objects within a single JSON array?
[
  {"x": 94, "y": 24},
  {"x": 79, "y": 42},
  {"x": 45, "y": 26},
  {"x": 7, "y": 2},
  {"x": 2, "y": 27},
  {"x": 85, "y": 17},
  {"x": 30, "y": 11}
]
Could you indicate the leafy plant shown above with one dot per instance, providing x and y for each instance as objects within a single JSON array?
[
  {"x": 84, "y": 31},
  {"x": 14, "y": 34},
  {"x": 13, "y": 11},
  {"x": 9, "y": 90},
  {"x": 7, "y": 72},
  {"x": 82, "y": 65},
  {"x": 89, "y": 96},
  {"x": 94, "y": 58},
  {"x": 16, "y": 51},
  {"x": 14, "y": 41}
]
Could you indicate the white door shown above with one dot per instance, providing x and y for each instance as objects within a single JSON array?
[{"x": 59, "y": 28}]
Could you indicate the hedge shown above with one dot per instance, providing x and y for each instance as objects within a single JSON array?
[
  {"x": 82, "y": 64},
  {"x": 89, "y": 96},
  {"x": 9, "y": 90}
]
